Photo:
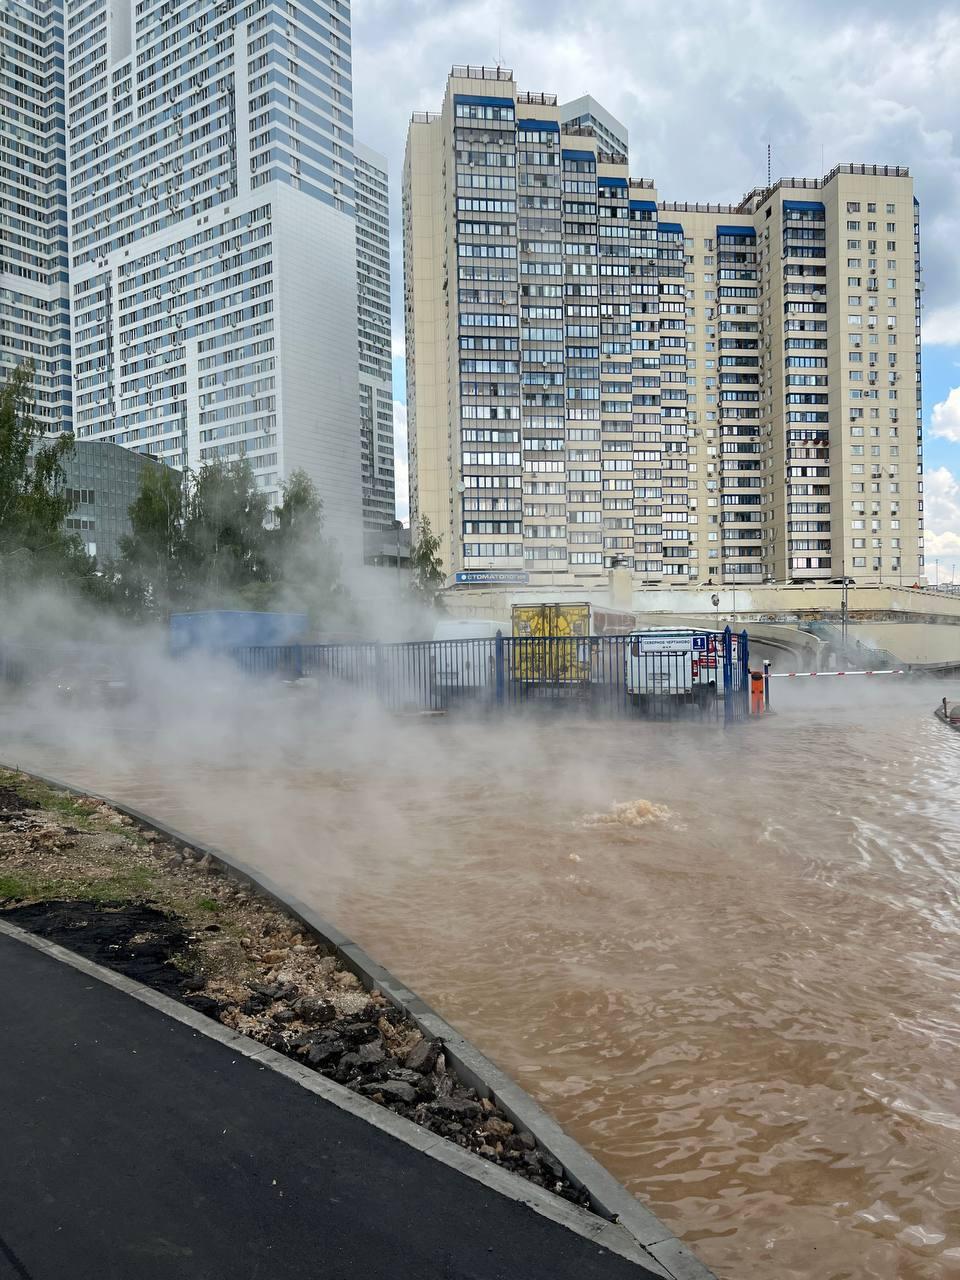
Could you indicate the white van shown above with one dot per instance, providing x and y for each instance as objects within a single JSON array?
[
  {"x": 677, "y": 661},
  {"x": 464, "y": 652},
  {"x": 660, "y": 661}
]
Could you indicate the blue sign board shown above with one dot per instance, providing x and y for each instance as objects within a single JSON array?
[
  {"x": 699, "y": 642},
  {"x": 491, "y": 577}
]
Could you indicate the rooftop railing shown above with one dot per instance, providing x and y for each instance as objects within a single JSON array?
[
  {"x": 817, "y": 184},
  {"x": 459, "y": 72},
  {"x": 687, "y": 206}
]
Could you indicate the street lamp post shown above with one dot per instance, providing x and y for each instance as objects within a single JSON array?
[{"x": 844, "y": 607}]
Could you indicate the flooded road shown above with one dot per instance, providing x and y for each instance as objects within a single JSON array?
[{"x": 726, "y": 961}]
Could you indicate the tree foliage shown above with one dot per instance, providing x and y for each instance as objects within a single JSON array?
[
  {"x": 211, "y": 541},
  {"x": 224, "y": 537},
  {"x": 150, "y": 573},
  {"x": 425, "y": 562},
  {"x": 300, "y": 555},
  {"x": 34, "y": 502}
]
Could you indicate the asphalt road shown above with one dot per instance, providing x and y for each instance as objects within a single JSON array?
[{"x": 132, "y": 1148}]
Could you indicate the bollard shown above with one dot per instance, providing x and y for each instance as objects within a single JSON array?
[
  {"x": 766, "y": 684},
  {"x": 757, "y": 706}
]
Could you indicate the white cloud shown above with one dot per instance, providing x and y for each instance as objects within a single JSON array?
[
  {"x": 401, "y": 467},
  {"x": 941, "y": 328},
  {"x": 941, "y": 493},
  {"x": 875, "y": 81},
  {"x": 945, "y": 420}
]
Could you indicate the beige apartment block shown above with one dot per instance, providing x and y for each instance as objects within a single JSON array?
[{"x": 698, "y": 392}]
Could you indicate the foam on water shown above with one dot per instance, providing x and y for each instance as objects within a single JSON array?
[{"x": 629, "y": 814}]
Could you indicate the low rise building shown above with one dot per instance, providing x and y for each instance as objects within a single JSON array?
[{"x": 103, "y": 481}]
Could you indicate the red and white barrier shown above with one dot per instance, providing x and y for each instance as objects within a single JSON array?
[{"x": 816, "y": 675}]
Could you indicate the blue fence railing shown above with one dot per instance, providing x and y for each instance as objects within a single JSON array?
[{"x": 707, "y": 674}]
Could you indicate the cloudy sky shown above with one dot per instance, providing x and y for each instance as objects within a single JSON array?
[{"x": 703, "y": 87}]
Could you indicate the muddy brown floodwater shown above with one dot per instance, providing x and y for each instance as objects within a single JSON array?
[{"x": 726, "y": 961}]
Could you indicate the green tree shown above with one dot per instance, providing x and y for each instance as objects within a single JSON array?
[
  {"x": 425, "y": 562},
  {"x": 224, "y": 538},
  {"x": 150, "y": 573},
  {"x": 303, "y": 564},
  {"x": 207, "y": 541},
  {"x": 34, "y": 502}
]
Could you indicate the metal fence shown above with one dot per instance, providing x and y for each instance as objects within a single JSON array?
[{"x": 707, "y": 676}]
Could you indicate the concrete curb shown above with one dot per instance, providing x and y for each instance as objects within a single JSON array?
[{"x": 661, "y": 1250}]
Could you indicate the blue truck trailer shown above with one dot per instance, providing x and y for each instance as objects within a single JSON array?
[{"x": 214, "y": 630}]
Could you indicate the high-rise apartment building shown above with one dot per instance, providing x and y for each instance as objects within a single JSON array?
[
  {"x": 723, "y": 393},
  {"x": 587, "y": 113},
  {"x": 213, "y": 237},
  {"x": 34, "y": 298},
  {"x": 376, "y": 345}
]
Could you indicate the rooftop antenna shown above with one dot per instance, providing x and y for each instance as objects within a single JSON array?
[{"x": 769, "y": 168}]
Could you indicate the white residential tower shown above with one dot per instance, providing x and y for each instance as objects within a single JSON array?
[
  {"x": 34, "y": 299},
  {"x": 376, "y": 353},
  {"x": 213, "y": 237}
]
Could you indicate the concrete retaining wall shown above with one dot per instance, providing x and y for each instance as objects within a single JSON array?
[
  {"x": 918, "y": 642},
  {"x": 771, "y": 600}
]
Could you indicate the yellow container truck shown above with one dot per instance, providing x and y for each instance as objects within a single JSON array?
[{"x": 554, "y": 640}]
